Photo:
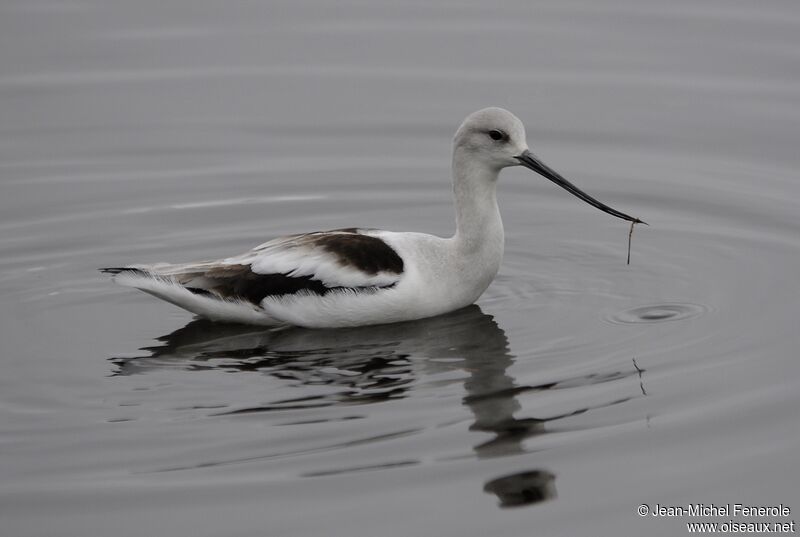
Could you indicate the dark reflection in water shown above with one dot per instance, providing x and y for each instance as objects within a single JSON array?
[
  {"x": 369, "y": 364},
  {"x": 524, "y": 488},
  {"x": 366, "y": 370},
  {"x": 491, "y": 396},
  {"x": 378, "y": 363}
]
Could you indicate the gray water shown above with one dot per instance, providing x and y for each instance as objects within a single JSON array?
[{"x": 575, "y": 390}]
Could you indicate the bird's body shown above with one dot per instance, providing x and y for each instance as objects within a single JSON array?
[{"x": 353, "y": 277}]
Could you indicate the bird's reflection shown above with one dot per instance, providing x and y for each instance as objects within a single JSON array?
[
  {"x": 372, "y": 364},
  {"x": 523, "y": 488},
  {"x": 364, "y": 365}
]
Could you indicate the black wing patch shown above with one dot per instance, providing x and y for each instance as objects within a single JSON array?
[
  {"x": 366, "y": 253},
  {"x": 234, "y": 282},
  {"x": 240, "y": 282}
]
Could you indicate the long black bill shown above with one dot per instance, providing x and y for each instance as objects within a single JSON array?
[{"x": 529, "y": 160}]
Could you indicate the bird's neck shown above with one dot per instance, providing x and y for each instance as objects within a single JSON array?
[{"x": 478, "y": 222}]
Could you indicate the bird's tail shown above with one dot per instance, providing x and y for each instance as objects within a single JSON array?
[
  {"x": 120, "y": 270},
  {"x": 167, "y": 283}
]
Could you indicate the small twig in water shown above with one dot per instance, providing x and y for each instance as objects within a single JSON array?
[
  {"x": 630, "y": 235},
  {"x": 640, "y": 371}
]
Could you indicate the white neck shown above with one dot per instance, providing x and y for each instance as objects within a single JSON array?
[{"x": 478, "y": 222}]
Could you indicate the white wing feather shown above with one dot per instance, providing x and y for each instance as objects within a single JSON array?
[{"x": 300, "y": 255}]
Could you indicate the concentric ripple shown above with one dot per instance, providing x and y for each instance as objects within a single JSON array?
[{"x": 658, "y": 313}]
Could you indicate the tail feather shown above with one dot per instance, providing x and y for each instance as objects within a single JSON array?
[
  {"x": 119, "y": 270},
  {"x": 196, "y": 300}
]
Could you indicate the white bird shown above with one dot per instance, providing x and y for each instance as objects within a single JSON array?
[{"x": 355, "y": 276}]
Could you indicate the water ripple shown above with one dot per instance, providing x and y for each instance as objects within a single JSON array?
[{"x": 658, "y": 313}]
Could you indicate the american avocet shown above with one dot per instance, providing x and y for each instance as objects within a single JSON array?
[{"x": 354, "y": 276}]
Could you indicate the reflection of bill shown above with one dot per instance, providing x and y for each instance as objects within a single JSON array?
[{"x": 524, "y": 488}]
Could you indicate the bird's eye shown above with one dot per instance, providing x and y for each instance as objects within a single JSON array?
[{"x": 497, "y": 135}]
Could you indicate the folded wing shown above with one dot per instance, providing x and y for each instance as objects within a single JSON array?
[{"x": 312, "y": 263}]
